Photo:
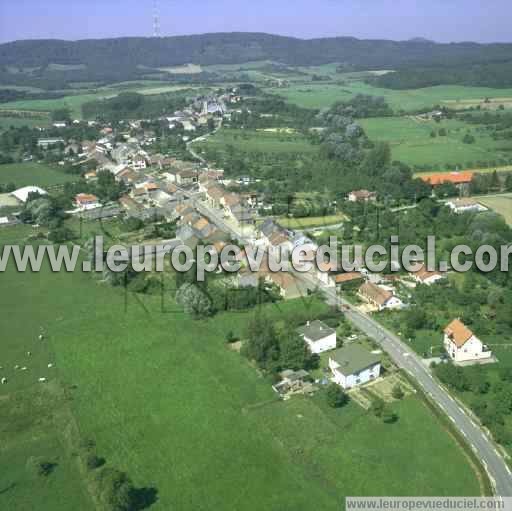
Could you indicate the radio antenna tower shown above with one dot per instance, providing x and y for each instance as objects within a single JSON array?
[{"x": 156, "y": 19}]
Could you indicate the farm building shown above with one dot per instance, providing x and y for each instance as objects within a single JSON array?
[
  {"x": 457, "y": 178},
  {"x": 22, "y": 193}
]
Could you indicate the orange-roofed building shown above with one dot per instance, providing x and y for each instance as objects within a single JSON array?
[
  {"x": 85, "y": 201},
  {"x": 345, "y": 278},
  {"x": 462, "y": 345},
  {"x": 457, "y": 178}
]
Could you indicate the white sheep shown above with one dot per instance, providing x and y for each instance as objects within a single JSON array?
[
  {"x": 23, "y": 368},
  {"x": 29, "y": 353},
  {"x": 50, "y": 366},
  {"x": 41, "y": 337},
  {"x": 42, "y": 380},
  {"x": 4, "y": 381}
]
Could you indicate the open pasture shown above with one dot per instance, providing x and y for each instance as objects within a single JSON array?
[
  {"x": 167, "y": 401},
  {"x": 33, "y": 174},
  {"x": 322, "y": 95},
  {"x": 411, "y": 142}
]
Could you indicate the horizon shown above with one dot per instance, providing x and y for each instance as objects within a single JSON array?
[{"x": 396, "y": 20}]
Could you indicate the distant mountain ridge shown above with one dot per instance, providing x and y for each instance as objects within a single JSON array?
[
  {"x": 52, "y": 64},
  {"x": 240, "y": 47}
]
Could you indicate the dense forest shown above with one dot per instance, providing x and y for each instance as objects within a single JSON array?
[
  {"x": 110, "y": 60},
  {"x": 492, "y": 74}
]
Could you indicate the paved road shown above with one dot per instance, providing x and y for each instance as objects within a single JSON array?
[{"x": 405, "y": 358}]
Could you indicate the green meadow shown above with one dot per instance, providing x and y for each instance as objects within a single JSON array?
[
  {"x": 267, "y": 141},
  {"x": 322, "y": 95},
  {"x": 166, "y": 400},
  {"x": 33, "y": 174},
  {"x": 411, "y": 142}
]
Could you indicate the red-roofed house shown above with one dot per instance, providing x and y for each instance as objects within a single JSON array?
[
  {"x": 462, "y": 345},
  {"x": 85, "y": 201},
  {"x": 457, "y": 178}
]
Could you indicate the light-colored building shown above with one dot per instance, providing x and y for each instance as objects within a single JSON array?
[
  {"x": 22, "y": 193},
  {"x": 462, "y": 345},
  {"x": 362, "y": 195},
  {"x": 424, "y": 276},
  {"x": 353, "y": 365},
  {"x": 465, "y": 205},
  {"x": 84, "y": 201},
  {"x": 318, "y": 336},
  {"x": 379, "y": 297}
]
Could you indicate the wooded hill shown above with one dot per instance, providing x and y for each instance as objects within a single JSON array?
[{"x": 129, "y": 58}]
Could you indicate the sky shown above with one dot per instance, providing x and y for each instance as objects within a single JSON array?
[{"x": 439, "y": 20}]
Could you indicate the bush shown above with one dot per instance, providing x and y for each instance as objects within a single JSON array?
[
  {"x": 231, "y": 337},
  {"x": 336, "y": 398},
  {"x": 397, "y": 392},
  {"x": 115, "y": 490},
  {"x": 40, "y": 466},
  {"x": 389, "y": 416}
]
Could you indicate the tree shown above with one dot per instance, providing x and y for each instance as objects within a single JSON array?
[
  {"x": 442, "y": 132},
  {"x": 116, "y": 490},
  {"x": 378, "y": 406},
  {"x": 468, "y": 139},
  {"x": 262, "y": 345},
  {"x": 231, "y": 337},
  {"x": 194, "y": 301},
  {"x": 397, "y": 392},
  {"x": 389, "y": 416},
  {"x": 336, "y": 398},
  {"x": 293, "y": 350},
  {"x": 41, "y": 467}
]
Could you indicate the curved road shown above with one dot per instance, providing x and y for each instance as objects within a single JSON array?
[{"x": 405, "y": 358}]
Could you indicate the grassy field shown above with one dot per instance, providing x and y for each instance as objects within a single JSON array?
[
  {"x": 34, "y": 174},
  {"x": 165, "y": 400},
  {"x": 259, "y": 141},
  {"x": 411, "y": 142},
  {"x": 322, "y": 95},
  {"x": 74, "y": 102},
  {"x": 18, "y": 122},
  {"x": 309, "y": 222},
  {"x": 501, "y": 204}
]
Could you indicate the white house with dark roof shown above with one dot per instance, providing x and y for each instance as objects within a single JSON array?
[
  {"x": 353, "y": 365},
  {"x": 318, "y": 336}
]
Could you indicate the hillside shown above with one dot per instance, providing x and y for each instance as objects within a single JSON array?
[{"x": 58, "y": 62}]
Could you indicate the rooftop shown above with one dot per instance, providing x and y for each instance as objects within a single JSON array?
[
  {"x": 354, "y": 359},
  {"x": 458, "y": 332},
  {"x": 315, "y": 330}
]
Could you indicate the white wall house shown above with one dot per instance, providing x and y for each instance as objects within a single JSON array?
[
  {"x": 353, "y": 365},
  {"x": 379, "y": 297},
  {"x": 462, "y": 345},
  {"x": 318, "y": 336},
  {"x": 424, "y": 276}
]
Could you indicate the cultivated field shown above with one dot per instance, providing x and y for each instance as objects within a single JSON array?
[
  {"x": 165, "y": 400},
  {"x": 32, "y": 174}
]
